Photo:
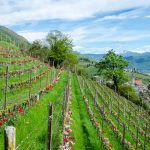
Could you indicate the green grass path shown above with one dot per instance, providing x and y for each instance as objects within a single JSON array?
[{"x": 84, "y": 132}]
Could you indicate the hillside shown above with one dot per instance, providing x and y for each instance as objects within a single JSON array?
[
  {"x": 29, "y": 80},
  {"x": 139, "y": 61},
  {"x": 84, "y": 113},
  {"x": 9, "y": 38},
  {"x": 97, "y": 57},
  {"x": 64, "y": 108}
]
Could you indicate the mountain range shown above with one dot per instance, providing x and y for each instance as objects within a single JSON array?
[
  {"x": 139, "y": 61},
  {"x": 9, "y": 38}
]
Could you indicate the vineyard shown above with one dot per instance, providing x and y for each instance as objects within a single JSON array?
[{"x": 55, "y": 108}]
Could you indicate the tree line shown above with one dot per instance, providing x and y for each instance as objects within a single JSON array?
[{"x": 57, "y": 47}]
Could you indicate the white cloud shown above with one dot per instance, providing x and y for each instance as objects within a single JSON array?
[
  {"x": 116, "y": 38},
  {"x": 134, "y": 14},
  {"x": 32, "y": 35},
  {"x": 145, "y": 48},
  {"x": 97, "y": 50},
  {"x": 104, "y": 50},
  {"x": 88, "y": 35},
  {"x": 78, "y": 34},
  {"x": 14, "y": 11},
  {"x": 126, "y": 37},
  {"x": 119, "y": 17},
  {"x": 92, "y": 34},
  {"x": 147, "y": 16}
]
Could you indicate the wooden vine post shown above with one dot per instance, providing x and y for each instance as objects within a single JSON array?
[
  {"x": 102, "y": 135},
  {"x": 83, "y": 85},
  {"x": 49, "y": 74},
  {"x": 40, "y": 76},
  {"x": 10, "y": 138},
  {"x": 64, "y": 106},
  {"x": 67, "y": 94},
  {"x": 54, "y": 71},
  {"x": 145, "y": 137},
  {"x": 103, "y": 110},
  {"x": 85, "y": 89},
  {"x": 53, "y": 64},
  {"x": 6, "y": 88},
  {"x": 118, "y": 114},
  {"x": 129, "y": 119},
  {"x": 95, "y": 95},
  {"x": 137, "y": 134},
  {"x": 110, "y": 104},
  {"x": 124, "y": 110},
  {"x": 46, "y": 78},
  {"x": 49, "y": 80},
  {"x": 30, "y": 84},
  {"x": 50, "y": 118},
  {"x": 123, "y": 138}
]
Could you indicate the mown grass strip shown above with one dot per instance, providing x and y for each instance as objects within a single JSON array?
[{"x": 89, "y": 133}]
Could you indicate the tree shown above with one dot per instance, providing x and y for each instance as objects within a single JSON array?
[
  {"x": 112, "y": 67},
  {"x": 39, "y": 49},
  {"x": 61, "y": 48},
  {"x": 35, "y": 48},
  {"x": 58, "y": 47}
]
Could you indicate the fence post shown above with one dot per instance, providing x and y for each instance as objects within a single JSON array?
[
  {"x": 145, "y": 137},
  {"x": 123, "y": 138},
  {"x": 47, "y": 78},
  {"x": 118, "y": 114},
  {"x": 95, "y": 95},
  {"x": 103, "y": 110},
  {"x": 6, "y": 88},
  {"x": 129, "y": 120},
  {"x": 50, "y": 118},
  {"x": 111, "y": 105},
  {"x": 64, "y": 102},
  {"x": 40, "y": 76},
  {"x": 10, "y": 138},
  {"x": 30, "y": 84},
  {"x": 137, "y": 133},
  {"x": 124, "y": 110}
]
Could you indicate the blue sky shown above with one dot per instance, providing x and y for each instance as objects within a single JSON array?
[{"x": 95, "y": 26}]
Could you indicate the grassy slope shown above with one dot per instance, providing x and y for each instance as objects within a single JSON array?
[
  {"x": 4, "y": 44},
  {"x": 128, "y": 135},
  {"x": 11, "y": 37},
  {"x": 108, "y": 131},
  {"x": 34, "y": 122}
]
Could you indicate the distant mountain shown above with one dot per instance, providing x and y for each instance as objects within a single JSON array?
[
  {"x": 129, "y": 53},
  {"x": 10, "y": 38},
  {"x": 140, "y": 61},
  {"x": 97, "y": 57},
  {"x": 126, "y": 54}
]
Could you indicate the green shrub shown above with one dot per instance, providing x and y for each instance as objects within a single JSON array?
[{"x": 129, "y": 93}]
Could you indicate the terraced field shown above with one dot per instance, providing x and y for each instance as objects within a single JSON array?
[
  {"x": 86, "y": 114},
  {"x": 27, "y": 83},
  {"x": 119, "y": 121}
]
